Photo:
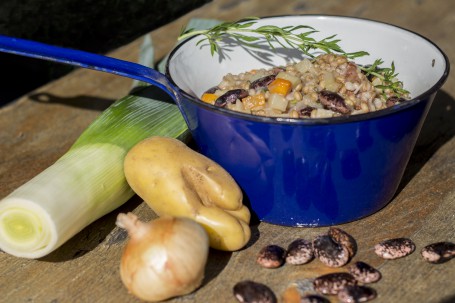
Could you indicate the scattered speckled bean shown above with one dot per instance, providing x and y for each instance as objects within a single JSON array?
[
  {"x": 439, "y": 252},
  {"x": 331, "y": 284},
  {"x": 329, "y": 252},
  {"x": 356, "y": 294},
  {"x": 314, "y": 299},
  {"x": 335, "y": 249},
  {"x": 394, "y": 248},
  {"x": 299, "y": 252},
  {"x": 364, "y": 272},
  {"x": 344, "y": 239},
  {"x": 253, "y": 292},
  {"x": 271, "y": 256}
]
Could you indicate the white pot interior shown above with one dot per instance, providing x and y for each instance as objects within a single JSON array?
[{"x": 419, "y": 63}]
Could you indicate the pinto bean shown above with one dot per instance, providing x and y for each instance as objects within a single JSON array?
[
  {"x": 212, "y": 90},
  {"x": 299, "y": 252},
  {"x": 344, "y": 239},
  {"x": 331, "y": 284},
  {"x": 262, "y": 82},
  {"x": 231, "y": 97},
  {"x": 439, "y": 252},
  {"x": 330, "y": 252},
  {"x": 271, "y": 256},
  {"x": 394, "y": 248},
  {"x": 352, "y": 72},
  {"x": 356, "y": 293},
  {"x": 334, "y": 102},
  {"x": 306, "y": 111},
  {"x": 364, "y": 272},
  {"x": 314, "y": 299},
  {"x": 253, "y": 292},
  {"x": 391, "y": 101}
]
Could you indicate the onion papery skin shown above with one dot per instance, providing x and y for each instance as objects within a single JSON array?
[{"x": 164, "y": 258}]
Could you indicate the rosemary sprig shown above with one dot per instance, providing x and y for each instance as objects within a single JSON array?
[
  {"x": 388, "y": 77},
  {"x": 292, "y": 37},
  {"x": 287, "y": 36}
]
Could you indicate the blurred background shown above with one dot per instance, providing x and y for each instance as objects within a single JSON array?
[{"x": 94, "y": 26}]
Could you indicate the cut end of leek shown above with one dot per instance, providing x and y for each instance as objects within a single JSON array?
[{"x": 25, "y": 229}]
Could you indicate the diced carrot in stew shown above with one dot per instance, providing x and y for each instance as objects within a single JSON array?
[
  {"x": 280, "y": 86},
  {"x": 209, "y": 98}
]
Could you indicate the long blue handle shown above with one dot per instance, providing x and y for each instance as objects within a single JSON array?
[{"x": 87, "y": 60}]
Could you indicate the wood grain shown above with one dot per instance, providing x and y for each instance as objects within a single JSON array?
[{"x": 38, "y": 128}]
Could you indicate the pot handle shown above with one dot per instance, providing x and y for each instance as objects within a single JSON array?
[{"x": 88, "y": 60}]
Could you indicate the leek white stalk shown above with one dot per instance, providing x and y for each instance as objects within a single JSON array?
[{"x": 85, "y": 183}]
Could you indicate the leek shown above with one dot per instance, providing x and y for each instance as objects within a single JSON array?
[{"x": 87, "y": 182}]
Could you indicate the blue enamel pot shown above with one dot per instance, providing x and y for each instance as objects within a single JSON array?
[{"x": 312, "y": 172}]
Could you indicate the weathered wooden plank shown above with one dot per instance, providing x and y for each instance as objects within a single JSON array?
[{"x": 38, "y": 128}]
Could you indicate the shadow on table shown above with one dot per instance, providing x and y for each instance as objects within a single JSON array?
[
  {"x": 449, "y": 299},
  {"x": 93, "y": 235},
  {"x": 438, "y": 129},
  {"x": 218, "y": 260},
  {"x": 87, "y": 102},
  {"x": 100, "y": 104}
]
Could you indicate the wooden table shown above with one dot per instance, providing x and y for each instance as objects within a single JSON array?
[{"x": 39, "y": 127}]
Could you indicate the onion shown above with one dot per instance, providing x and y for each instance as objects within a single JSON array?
[{"x": 163, "y": 258}]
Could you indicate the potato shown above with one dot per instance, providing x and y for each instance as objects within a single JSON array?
[{"x": 175, "y": 180}]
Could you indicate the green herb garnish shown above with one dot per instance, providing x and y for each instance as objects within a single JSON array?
[
  {"x": 388, "y": 77},
  {"x": 291, "y": 37},
  {"x": 286, "y": 36}
]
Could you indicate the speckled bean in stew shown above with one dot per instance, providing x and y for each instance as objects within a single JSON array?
[{"x": 327, "y": 86}]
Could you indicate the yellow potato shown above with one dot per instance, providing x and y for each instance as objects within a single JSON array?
[{"x": 175, "y": 180}]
